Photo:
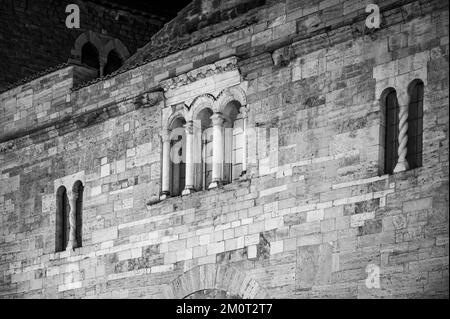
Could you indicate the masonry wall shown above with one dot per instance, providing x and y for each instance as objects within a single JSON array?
[{"x": 308, "y": 221}]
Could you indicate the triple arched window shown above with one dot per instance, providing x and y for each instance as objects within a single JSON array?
[
  {"x": 69, "y": 206},
  {"x": 403, "y": 129},
  {"x": 206, "y": 150}
]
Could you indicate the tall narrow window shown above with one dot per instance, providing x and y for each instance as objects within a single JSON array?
[
  {"x": 78, "y": 190},
  {"x": 62, "y": 219},
  {"x": 177, "y": 157},
  {"x": 114, "y": 62},
  {"x": 415, "y": 125},
  {"x": 233, "y": 142},
  {"x": 391, "y": 133},
  {"x": 90, "y": 56}
]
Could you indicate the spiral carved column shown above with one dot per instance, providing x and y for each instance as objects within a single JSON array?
[
  {"x": 72, "y": 242},
  {"x": 402, "y": 163}
]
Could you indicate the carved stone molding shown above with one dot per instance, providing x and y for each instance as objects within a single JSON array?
[{"x": 228, "y": 64}]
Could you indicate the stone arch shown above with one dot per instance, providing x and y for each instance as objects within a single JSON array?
[
  {"x": 121, "y": 49},
  {"x": 180, "y": 113},
  {"x": 216, "y": 277},
  {"x": 84, "y": 38},
  {"x": 228, "y": 95},
  {"x": 199, "y": 103}
]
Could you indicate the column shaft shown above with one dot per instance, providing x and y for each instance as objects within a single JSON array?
[
  {"x": 217, "y": 165},
  {"x": 165, "y": 180},
  {"x": 402, "y": 163},
  {"x": 189, "y": 188}
]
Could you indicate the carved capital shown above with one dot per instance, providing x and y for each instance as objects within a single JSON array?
[
  {"x": 244, "y": 111},
  {"x": 165, "y": 135},
  {"x": 189, "y": 127},
  {"x": 217, "y": 119}
]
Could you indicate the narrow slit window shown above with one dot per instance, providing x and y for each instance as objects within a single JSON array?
[
  {"x": 391, "y": 133},
  {"x": 415, "y": 125}
]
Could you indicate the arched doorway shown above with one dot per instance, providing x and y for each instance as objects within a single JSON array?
[{"x": 213, "y": 281}]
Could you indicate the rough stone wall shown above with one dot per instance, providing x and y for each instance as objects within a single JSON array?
[
  {"x": 34, "y": 34},
  {"x": 308, "y": 221}
]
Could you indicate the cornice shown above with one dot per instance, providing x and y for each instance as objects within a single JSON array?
[{"x": 228, "y": 64}]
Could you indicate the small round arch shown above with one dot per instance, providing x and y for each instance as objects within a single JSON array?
[
  {"x": 228, "y": 95},
  {"x": 412, "y": 86},
  {"x": 200, "y": 103}
]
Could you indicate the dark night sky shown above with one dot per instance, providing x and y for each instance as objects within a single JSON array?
[{"x": 168, "y": 8}]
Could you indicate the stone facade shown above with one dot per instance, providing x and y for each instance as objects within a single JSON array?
[{"x": 312, "y": 217}]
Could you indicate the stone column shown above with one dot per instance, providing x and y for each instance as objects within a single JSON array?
[
  {"x": 217, "y": 161},
  {"x": 189, "y": 187},
  {"x": 402, "y": 163},
  {"x": 165, "y": 181},
  {"x": 72, "y": 242},
  {"x": 244, "y": 112}
]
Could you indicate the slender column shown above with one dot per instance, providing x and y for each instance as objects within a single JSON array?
[
  {"x": 402, "y": 163},
  {"x": 244, "y": 113},
  {"x": 72, "y": 242},
  {"x": 217, "y": 165},
  {"x": 189, "y": 188},
  {"x": 165, "y": 182}
]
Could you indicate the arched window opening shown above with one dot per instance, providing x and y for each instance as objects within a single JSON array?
[
  {"x": 204, "y": 146},
  {"x": 177, "y": 157},
  {"x": 114, "y": 62},
  {"x": 90, "y": 56},
  {"x": 415, "y": 124},
  {"x": 78, "y": 189},
  {"x": 391, "y": 132},
  {"x": 233, "y": 142},
  {"x": 62, "y": 219}
]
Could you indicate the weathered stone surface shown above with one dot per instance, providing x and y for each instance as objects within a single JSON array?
[{"x": 311, "y": 214}]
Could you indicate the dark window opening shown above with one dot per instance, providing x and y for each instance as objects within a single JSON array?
[
  {"x": 78, "y": 189},
  {"x": 415, "y": 126},
  {"x": 90, "y": 56},
  {"x": 391, "y": 136},
  {"x": 62, "y": 219},
  {"x": 114, "y": 62}
]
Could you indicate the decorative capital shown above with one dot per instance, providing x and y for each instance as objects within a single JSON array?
[
  {"x": 403, "y": 99},
  {"x": 189, "y": 126},
  {"x": 217, "y": 119},
  {"x": 244, "y": 111},
  {"x": 165, "y": 135},
  {"x": 72, "y": 196}
]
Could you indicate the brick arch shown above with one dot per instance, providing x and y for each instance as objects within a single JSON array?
[{"x": 216, "y": 277}]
